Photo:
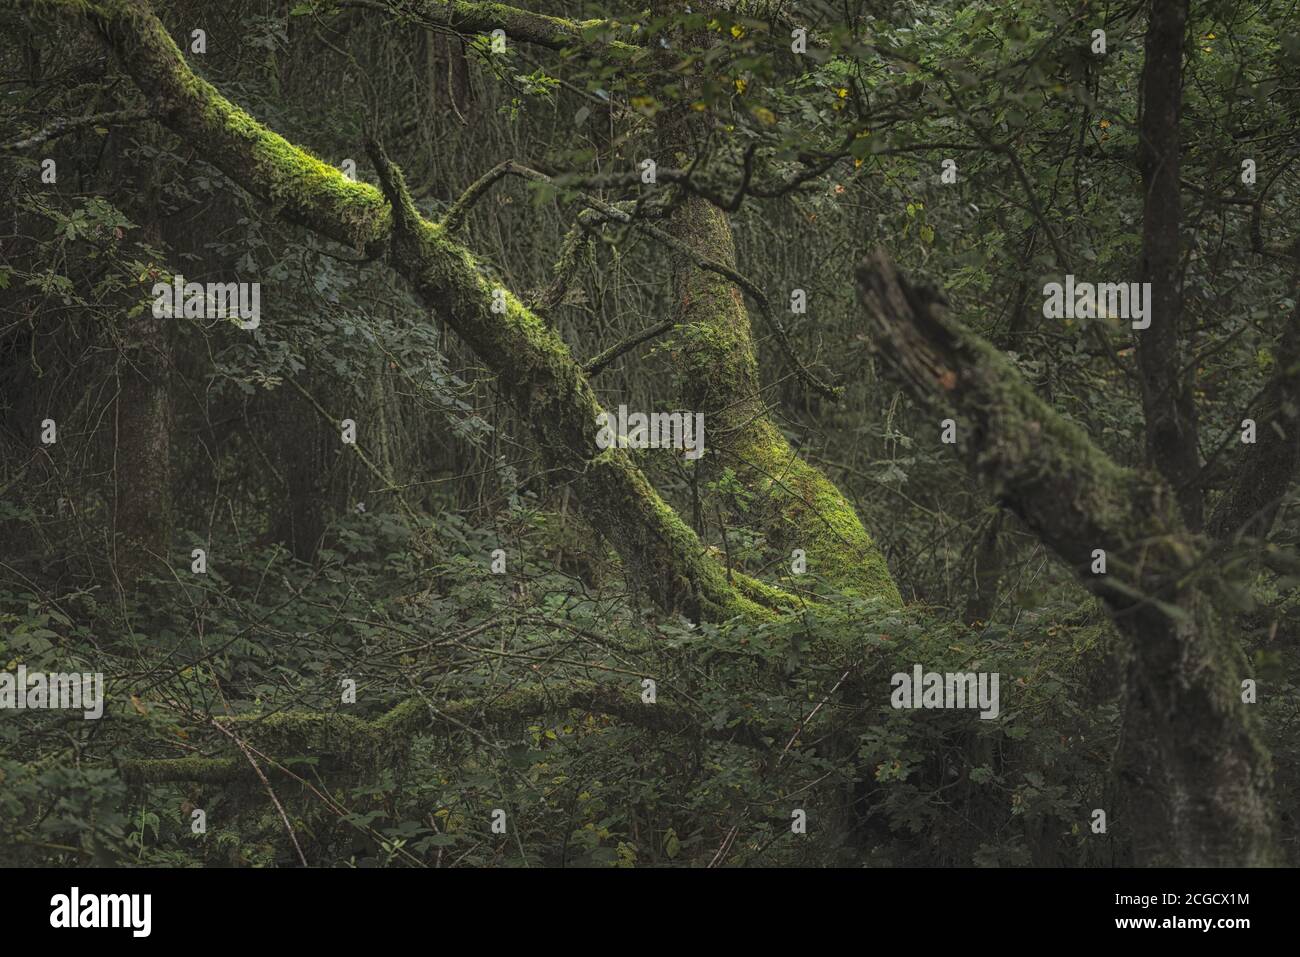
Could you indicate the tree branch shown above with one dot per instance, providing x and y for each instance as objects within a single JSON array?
[
  {"x": 63, "y": 126},
  {"x": 1041, "y": 466},
  {"x": 347, "y": 738},
  {"x": 1250, "y": 504},
  {"x": 455, "y": 217},
  {"x": 1199, "y": 793},
  {"x": 554, "y": 33},
  {"x": 576, "y": 241},
  {"x": 616, "y": 213},
  {"x": 597, "y": 364}
]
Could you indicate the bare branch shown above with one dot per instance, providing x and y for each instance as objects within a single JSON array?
[
  {"x": 597, "y": 364},
  {"x": 62, "y": 127},
  {"x": 555, "y": 33},
  {"x": 619, "y": 213},
  {"x": 455, "y": 217}
]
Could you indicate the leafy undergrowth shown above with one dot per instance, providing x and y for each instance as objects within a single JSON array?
[{"x": 750, "y": 725}]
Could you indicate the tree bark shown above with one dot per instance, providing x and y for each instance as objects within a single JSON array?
[
  {"x": 142, "y": 500},
  {"x": 794, "y": 504},
  {"x": 1166, "y": 376}
]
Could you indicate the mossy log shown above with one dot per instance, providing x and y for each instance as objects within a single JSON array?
[{"x": 343, "y": 744}]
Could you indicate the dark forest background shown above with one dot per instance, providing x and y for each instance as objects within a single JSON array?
[{"x": 521, "y": 690}]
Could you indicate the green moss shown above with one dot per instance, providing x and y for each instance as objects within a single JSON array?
[
  {"x": 299, "y": 185},
  {"x": 675, "y": 561},
  {"x": 159, "y": 770},
  {"x": 800, "y": 507},
  {"x": 816, "y": 517},
  {"x": 408, "y": 715},
  {"x": 769, "y": 596},
  {"x": 341, "y": 743}
]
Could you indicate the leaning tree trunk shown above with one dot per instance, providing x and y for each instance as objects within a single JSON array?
[
  {"x": 1204, "y": 795},
  {"x": 538, "y": 373},
  {"x": 794, "y": 504}
]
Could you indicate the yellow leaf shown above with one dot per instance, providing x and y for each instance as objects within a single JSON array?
[{"x": 138, "y": 705}]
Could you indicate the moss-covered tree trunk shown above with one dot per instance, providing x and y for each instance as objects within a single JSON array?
[
  {"x": 791, "y": 502},
  {"x": 1201, "y": 796}
]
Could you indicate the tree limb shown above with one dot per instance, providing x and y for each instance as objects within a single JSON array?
[
  {"x": 65, "y": 125},
  {"x": 554, "y": 33},
  {"x": 616, "y": 213},
  {"x": 1250, "y": 504},
  {"x": 346, "y": 737},
  {"x": 595, "y": 365}
]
